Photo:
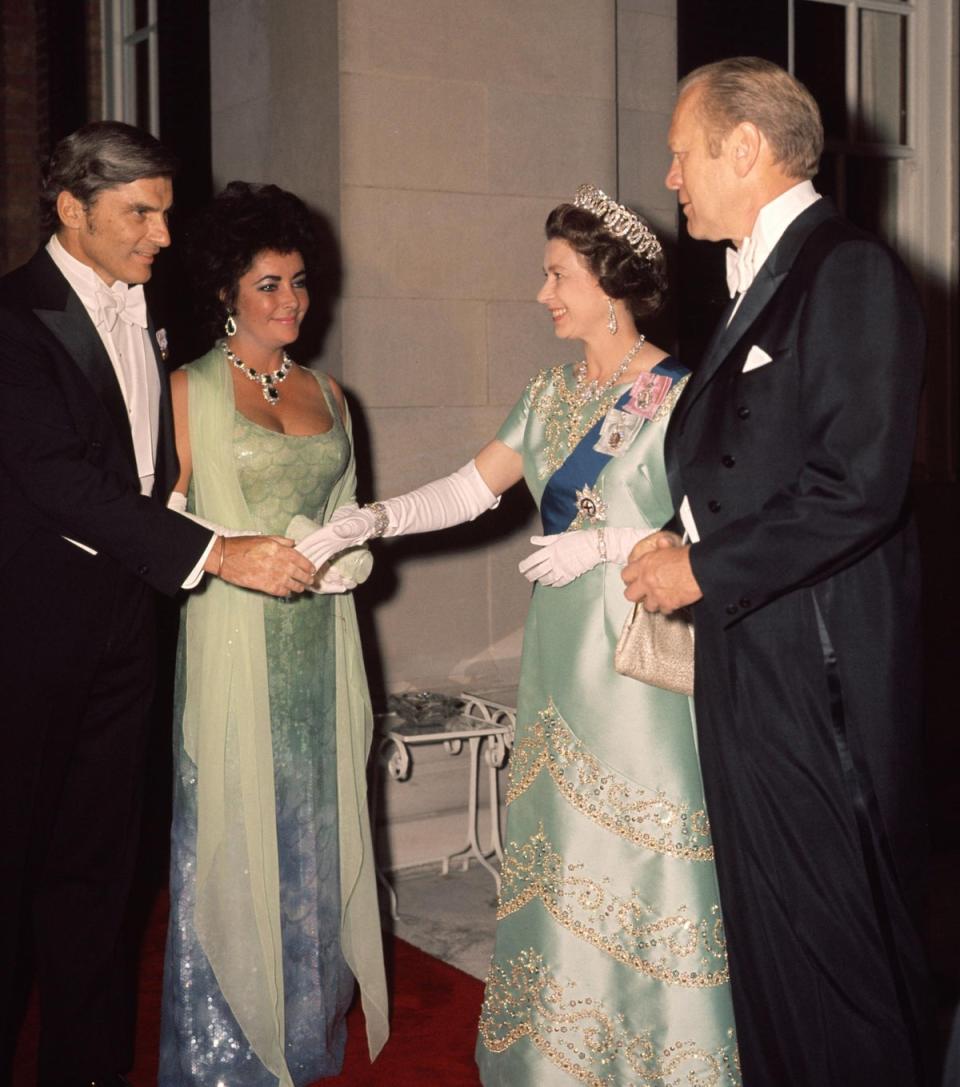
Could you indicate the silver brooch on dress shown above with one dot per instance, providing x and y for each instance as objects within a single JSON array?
[
  {"x": 618, "y": 432},
  {"x": 590, "y": 506}
]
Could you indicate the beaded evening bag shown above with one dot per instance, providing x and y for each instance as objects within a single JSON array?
[{"x": 657, "y": 649}]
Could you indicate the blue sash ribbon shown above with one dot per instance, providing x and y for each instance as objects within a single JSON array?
[{"x": 583, "y": 466}]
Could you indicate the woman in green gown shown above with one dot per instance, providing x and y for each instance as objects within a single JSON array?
[
  {"x": 610, "y": 965},
  {"x": 273, "y": 907}
]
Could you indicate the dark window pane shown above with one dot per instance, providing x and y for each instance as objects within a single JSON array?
[
  {"x": 141, "y": 16},
  {"x": 871, "y": 195},
  {"x": 820, "y": 55},
  {"x": 883, "y": 78},
  {"x": 142, "y": 84},
  {"x": 829, "y": 181}
]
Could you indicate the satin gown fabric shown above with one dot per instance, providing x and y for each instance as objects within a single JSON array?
[
  {"x": 210, "y": 1031},
  {"x": 610, "y": 963}
]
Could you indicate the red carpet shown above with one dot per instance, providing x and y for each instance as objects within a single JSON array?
[{"x": 433, "y": 1022}]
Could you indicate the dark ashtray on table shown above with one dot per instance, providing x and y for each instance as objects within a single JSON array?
[{"x": 423, "y": 711}]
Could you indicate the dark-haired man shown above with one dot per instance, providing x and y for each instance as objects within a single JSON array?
[
  {"x": 86, "y": 464},
  {"x": 789, "y": 458}
]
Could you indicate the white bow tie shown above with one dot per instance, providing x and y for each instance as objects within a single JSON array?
[
  {"x": 740, "y": 270},
  {"x": 121, "y": 302}
]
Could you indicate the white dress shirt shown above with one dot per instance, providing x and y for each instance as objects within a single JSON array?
[
  {"x": 119, "y": 314},
  {"x": 772, "y": 222}
]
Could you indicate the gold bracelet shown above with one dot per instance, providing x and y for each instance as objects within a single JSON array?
[{"x": 223, "y": 547}]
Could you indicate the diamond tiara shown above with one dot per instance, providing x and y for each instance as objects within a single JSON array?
[{"x": 619, "y": 221}]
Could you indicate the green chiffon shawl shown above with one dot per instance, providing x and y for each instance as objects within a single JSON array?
[{"x": 226, "y": 729}]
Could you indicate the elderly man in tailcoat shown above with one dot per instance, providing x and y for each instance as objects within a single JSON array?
[{"x": 789, "y": 458}]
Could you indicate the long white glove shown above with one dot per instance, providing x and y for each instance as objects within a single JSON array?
[
  {"x": 344, "y": 573},
  {"x": 444, "y": 502},
  {"x": 178, "y": 503},
  {"x": 564, "y": 557}
]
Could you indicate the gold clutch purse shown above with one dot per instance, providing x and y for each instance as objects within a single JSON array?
[{"x": 657, "y": 649}]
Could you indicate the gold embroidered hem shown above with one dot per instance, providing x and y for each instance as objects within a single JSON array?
[
  {"x": 649, "y": 819},
  {"x": 674, "y": 948},
  {"x": 575, "y": 1031}
]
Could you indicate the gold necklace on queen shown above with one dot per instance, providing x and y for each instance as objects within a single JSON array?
[{"x": 267, "y": 381}]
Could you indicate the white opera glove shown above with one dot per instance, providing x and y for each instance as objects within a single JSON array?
[
  {"x": 451, "y": 500},
  {"x": 564, "y": 557},
  {"x": 345, "y": 572},
  {"x": 332, "y": 581},
  {"x": 178, "y": 503}
]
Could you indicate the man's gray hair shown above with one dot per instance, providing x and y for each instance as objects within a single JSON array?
[
  {"x": 99, "y": 156},
  {"x": 752, "y": 89}
]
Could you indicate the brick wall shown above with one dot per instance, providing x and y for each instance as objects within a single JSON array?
[{"x": 21, "y": 109}]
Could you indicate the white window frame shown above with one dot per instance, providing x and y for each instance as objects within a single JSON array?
[
  {"x": 926, "y": 212},
  {"x": 903, "y": 153},
  {"x": 120, "y": 38}
]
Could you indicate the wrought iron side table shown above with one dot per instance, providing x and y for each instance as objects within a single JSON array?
[{"x": 488, "y": 729}]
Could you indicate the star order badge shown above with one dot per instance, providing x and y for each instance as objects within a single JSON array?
[{"x": 590, "y": 506}]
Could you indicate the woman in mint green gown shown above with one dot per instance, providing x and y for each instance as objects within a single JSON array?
[
  {"x": 273, "y": 908},
  {"x": 610, "y": 965}
]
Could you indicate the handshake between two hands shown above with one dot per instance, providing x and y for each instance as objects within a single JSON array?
[
  {"x": 269, "y": 563},
  {"x": 335, "y": 548}
]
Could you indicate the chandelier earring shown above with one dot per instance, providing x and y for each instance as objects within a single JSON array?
[
  {"x": 230, "y": 325},
  {"x": 612, "y": 325}
]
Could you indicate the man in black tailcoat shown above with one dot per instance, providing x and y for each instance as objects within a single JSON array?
[
  {"x": 86, "y": 463},
  {"x": 789, "y": 457}
]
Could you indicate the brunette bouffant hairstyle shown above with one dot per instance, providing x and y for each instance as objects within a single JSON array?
[
  {"x": 621, "y": 272},
  {"x": 224, "y": 239}
]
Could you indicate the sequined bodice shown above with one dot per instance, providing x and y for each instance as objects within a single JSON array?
[{"x": 282, "y": 474}]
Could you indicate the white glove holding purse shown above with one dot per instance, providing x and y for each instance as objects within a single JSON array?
[{"x": 563, "y": 557}]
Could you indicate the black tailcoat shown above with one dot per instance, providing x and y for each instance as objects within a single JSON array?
[
  {"x": 807, "y": 688},
  {"x": 77, "y": 643}
]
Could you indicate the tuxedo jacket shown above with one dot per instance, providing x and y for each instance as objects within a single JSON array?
[
  {"x": 67, "y": 464},
  {"x": 793, "y": 443}
]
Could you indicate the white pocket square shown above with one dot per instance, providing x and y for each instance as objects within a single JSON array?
[{"x": 756, "y": 356}]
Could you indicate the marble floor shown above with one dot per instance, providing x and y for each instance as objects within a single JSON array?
[{"x": 451, "y": 917}]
